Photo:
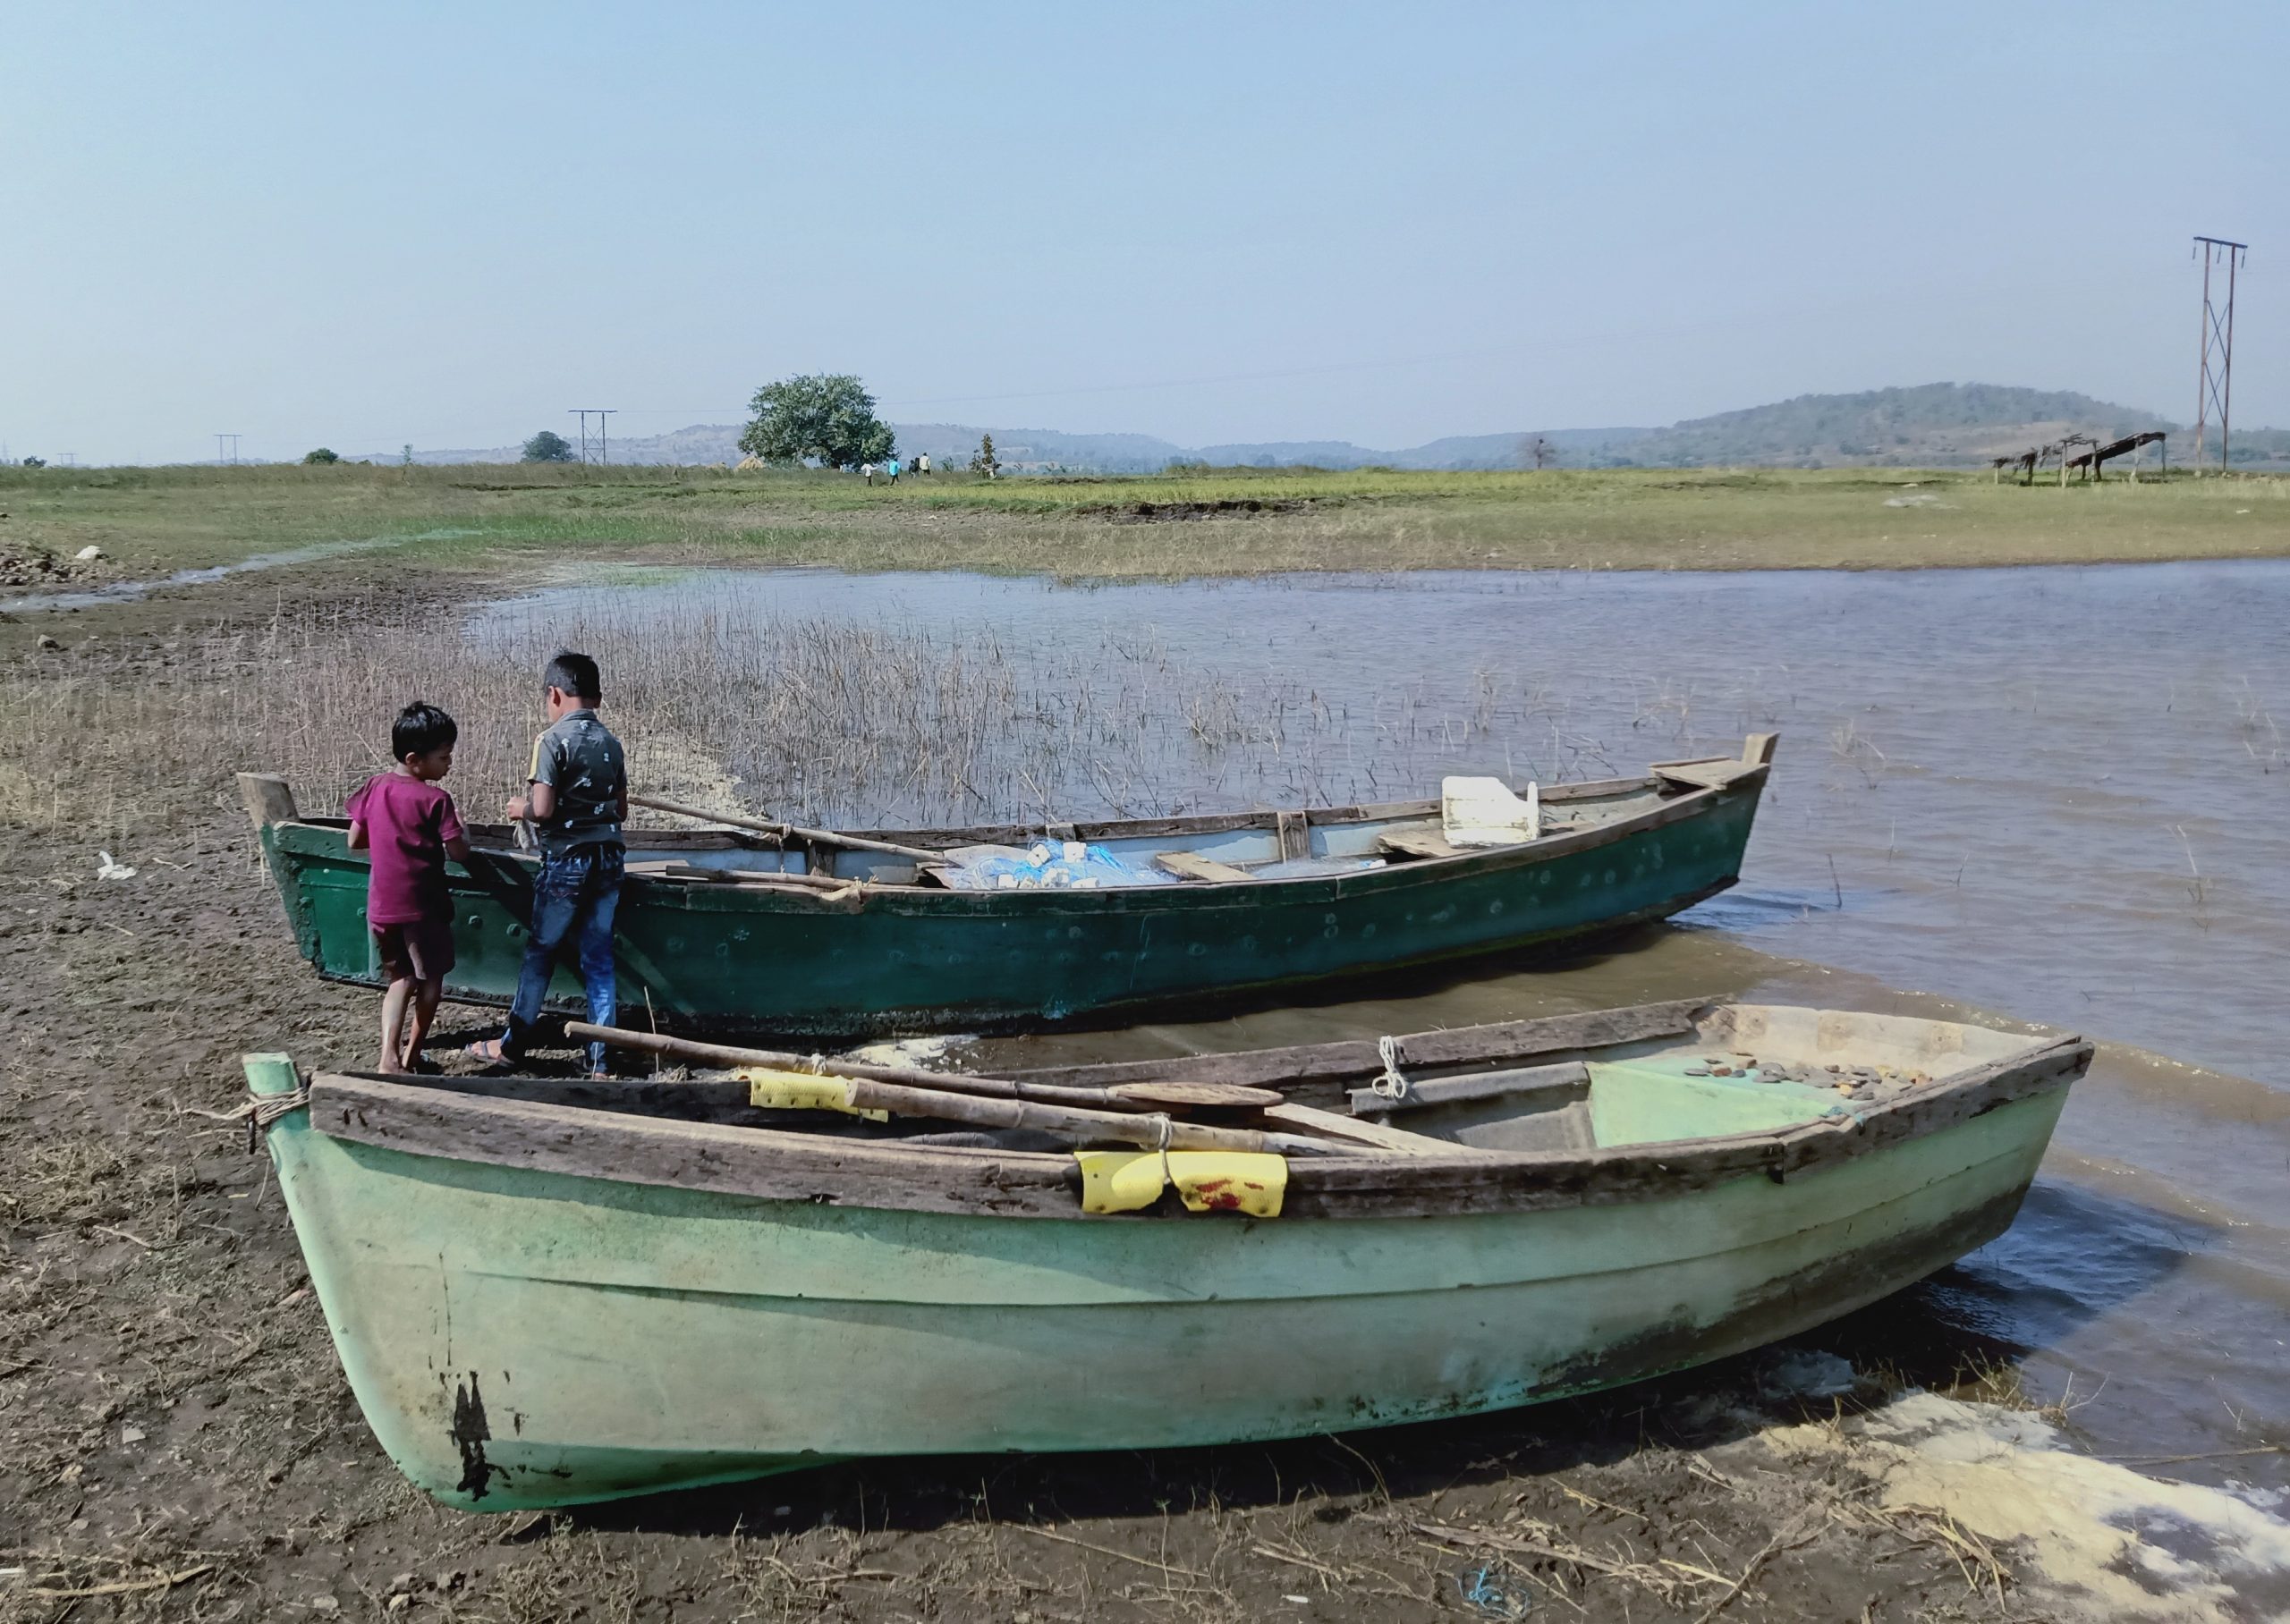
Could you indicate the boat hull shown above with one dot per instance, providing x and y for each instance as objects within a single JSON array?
[
  {"x": 908, "y": 959},
  {"x": 521, "y": 1338}
]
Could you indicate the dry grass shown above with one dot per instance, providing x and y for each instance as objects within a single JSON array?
[{"x": 820, "y": 719}]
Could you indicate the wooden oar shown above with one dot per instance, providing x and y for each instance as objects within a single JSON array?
[
  {"x": 817, "y": 837},
  {"x": 990, "y": 1102},
  {"x": 1172, "y": 1095}
]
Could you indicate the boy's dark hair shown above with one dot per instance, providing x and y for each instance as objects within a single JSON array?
[
  {"x": 576, "y": 674},
  {"x": 420, "y": 729}
]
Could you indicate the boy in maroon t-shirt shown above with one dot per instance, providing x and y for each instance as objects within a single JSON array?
[{"x": 410, "y": 825}]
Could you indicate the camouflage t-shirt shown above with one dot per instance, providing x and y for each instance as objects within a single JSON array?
[{"x": 581, "y": 761}]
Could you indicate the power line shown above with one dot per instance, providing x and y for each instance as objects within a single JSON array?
[{"x": 2214, "y": 381}]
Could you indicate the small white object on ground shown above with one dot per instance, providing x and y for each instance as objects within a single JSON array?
[
  {"x": 131, "y": 1434},
  {"x": 87, "y": 555},
  {"x": 1483, "y": 812},
  {"x": 107, "y": 869}
]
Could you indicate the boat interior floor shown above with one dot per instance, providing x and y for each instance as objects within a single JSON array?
[{"x": 1629, "y": 1094}]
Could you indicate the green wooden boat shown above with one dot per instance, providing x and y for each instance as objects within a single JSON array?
[
  {"x": 732, "y": 930},
  {"x": 551, "y": 1291}
]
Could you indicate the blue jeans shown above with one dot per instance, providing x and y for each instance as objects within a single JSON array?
[{"x": 575, "y": 899}]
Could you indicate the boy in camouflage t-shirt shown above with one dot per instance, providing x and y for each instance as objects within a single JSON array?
[{"x": 576, "y": 798}]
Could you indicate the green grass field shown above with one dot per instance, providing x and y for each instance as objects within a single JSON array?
[{"x": 1220, "y": 522}]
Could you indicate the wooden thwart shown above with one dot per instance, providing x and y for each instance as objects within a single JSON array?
[
  {"x": 1371, "y": 1135},
  {"x": 1192, "y": 866},
  {"x": 1360, "y": 1057},
  {"x": 1567, "y": 1080},
  {"x": 1705, "y": 774},
  {"x": 1418, "y": 843}
]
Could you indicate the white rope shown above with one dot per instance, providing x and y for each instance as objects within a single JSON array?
[
  {"x": 263, "y": 1109},
  {"x": 259, "y": 1110},
  {"x": 1391, "y": 1085},
  {"x": 1164, "y": 1130}
]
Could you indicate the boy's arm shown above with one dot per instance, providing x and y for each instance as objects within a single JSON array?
[
  {"x": 356, "y": 835},
  {"x": 451, "y": 835},
  {"x": 538, "y": 802}
]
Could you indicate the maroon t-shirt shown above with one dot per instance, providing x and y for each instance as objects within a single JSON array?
[{"x": 408, "y": 821}]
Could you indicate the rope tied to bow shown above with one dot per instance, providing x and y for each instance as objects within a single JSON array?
[
  {"x": 259, "y": 1110},
  {"x": 1391, "y": 1085}
]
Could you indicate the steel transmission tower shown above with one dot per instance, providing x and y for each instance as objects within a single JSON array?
[
  {"x": 2214, "y": 386},
  {"x": 603, "y": 444}
]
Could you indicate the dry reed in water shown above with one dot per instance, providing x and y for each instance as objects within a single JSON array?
[{"x": 815, "y": 719}]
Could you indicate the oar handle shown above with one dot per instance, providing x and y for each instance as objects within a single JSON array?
[
  {"x": 784, "y": 832},
  {"x": 994, "y": 1101}
]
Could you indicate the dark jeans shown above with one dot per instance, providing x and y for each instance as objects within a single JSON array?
[{"x": 575, "y": 899}]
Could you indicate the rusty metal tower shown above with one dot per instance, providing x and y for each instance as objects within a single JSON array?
[{"x": 2214, "y": 387}]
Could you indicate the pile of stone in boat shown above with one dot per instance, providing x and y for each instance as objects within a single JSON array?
[{"x": 1853, "y": 1082}]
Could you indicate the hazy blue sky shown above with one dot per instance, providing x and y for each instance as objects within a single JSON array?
[{"x": 363, "y": 226}]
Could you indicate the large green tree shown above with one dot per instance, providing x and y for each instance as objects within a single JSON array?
[
  {"x": 827, "y": 416},
  {"x": 548, "y": 446}
]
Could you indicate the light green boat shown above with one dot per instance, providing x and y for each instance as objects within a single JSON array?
[{"x": 550, "y": 1291}]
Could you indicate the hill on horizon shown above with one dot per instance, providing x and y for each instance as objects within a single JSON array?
[{"x": 1945, "y": 425}]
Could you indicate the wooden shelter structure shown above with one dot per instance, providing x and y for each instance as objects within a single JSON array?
[
  {"x": 2089, "y": 460},
  {"x": 2130, "y": 445}
]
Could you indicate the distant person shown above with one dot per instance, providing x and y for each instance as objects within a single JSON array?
[
  {"x": 867, "y": 472},
  {"x": 410, "y": 825},
  {"x": 576, "y": 799},
  {"x": 922, "y": 462},
  {"x": 893, "y": 466}
]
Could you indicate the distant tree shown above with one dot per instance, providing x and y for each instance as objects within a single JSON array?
[
  {"x": 407, "y": 460},
  {"x": 35, "y": 461},
  {"x": 322, "y": 455},
  {"x": 827, "y": 416},
  {"x": 1536, "y": 451},
  {"x": 548, "y": 446},
  {"x": 984, "y": 463}
]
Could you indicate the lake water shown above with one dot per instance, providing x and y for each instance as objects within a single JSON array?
[{"x": 2060, "y": 793}]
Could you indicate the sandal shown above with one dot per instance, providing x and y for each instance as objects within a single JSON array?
[{"x": 489, "y": 1050}]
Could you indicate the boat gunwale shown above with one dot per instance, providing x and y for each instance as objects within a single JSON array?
[
  {"x": 1660, "y": 812},
  {"x": 779, "y": 1164}
]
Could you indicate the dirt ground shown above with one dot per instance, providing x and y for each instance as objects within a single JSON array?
[{"x": 177, "y": 1439}]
